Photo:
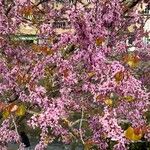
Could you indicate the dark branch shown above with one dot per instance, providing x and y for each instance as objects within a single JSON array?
[
  {"x": 7, "y": 6},
  {"x": 42, "y": 1},
  {"x": 132, "y": 5}
]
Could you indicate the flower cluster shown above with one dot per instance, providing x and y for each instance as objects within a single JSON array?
[
  {"x": 7, "y": 135},
  {"x": 84, "y": 86}
]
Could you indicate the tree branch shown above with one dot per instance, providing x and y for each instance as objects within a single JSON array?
[
  {"x": 132, "y": 5},
  {"x": 40, "y": 2}
]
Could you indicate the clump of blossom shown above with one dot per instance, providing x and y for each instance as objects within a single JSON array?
[{"x": 81, "y": 86}]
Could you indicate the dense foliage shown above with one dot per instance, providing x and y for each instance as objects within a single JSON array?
[{"x": 86, "y": 86}]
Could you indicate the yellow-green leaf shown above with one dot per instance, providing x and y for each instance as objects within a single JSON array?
[
  {"x": 21, "y": 110},
  {"x": 109, "y": 102},
  {"x": 5, "y": 114},
  {"x": 132, "y": 60},
  {"x": 129, "y": 98},
  {"x": 130, "y": 134}
]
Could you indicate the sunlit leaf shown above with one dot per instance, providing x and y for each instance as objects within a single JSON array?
[
  {"x": 109, "y": 102},
  {"x": 64, "y": 122},
  {"x": 21, "y": 110},
  {"x": 91, "y": 74},
  {"x": 131, "y": 28},
  {"x": 46, "y": 140},
  {"x": 133, "y": 134},
  {"x": 6, "y": 114},
  {"x": 132, "y": 60},
  {"x": 129, "y": 98}
]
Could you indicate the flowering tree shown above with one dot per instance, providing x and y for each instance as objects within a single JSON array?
[{"x": 84, "y": 86}]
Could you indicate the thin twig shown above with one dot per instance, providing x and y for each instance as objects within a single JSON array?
[
  {"x": 32, "y": 112},
  {"x": 15, "y": 125},
  {"x": 80, "y": 126},
  {"x": 78, "y": 121},
  {"x": 132, "y": 5},
  {"x": 40, "y": 2}
]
